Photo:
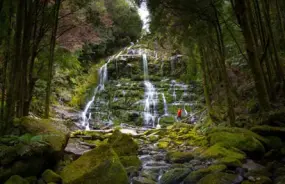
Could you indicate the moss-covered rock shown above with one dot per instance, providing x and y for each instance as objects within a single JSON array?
[
  {"x": 16, "y": 180},
  {"x": 101, "y": 165},
  {"x": 195, "y": 176},
  {"x": 127, "y": 150},
  {"x": 54, "y": 133},
  {"x": 49, "y": 176},
  {"x": 218, "y": 151},
  {"x": 162, "y": 144},
  {"x": 123, "y": 144},
  {"x": 175, "y": 176},
  {"x": 179, "y": 157},
  {"x": 218, "y": 178},
  {"x": 244, "y": 142}
]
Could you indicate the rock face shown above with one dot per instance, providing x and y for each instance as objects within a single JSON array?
[
  {"x": 101, "y": 165},
  {"x": 122, "y": 100},
  {"x": 39, "y": 148}
]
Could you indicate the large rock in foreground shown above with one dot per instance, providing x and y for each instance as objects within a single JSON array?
[
  {"x": 127, "y": 150},
  {"x": 101, "y": 165},
  {"x": 39, "y": 147}
]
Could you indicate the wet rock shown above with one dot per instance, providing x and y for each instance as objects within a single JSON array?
[
  {"x": 174, "y": 176},
  {"x": 101, "y": 165}
]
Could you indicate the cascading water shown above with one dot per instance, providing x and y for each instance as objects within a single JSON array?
[
  {"x": 103, "y": 77},
  {"x": 150, "y": 100},
  {"x": 164, "y": 104}
]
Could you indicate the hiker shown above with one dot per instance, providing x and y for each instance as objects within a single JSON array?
[{"x": 179, "y": 113}]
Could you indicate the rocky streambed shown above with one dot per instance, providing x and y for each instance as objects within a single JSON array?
[{"x": 178, "y": 154}]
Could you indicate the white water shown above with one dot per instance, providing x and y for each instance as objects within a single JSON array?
[
  {"x": 165, "y": 107},
  {"x": 103, "y": 77},
  {"x": 150, "y": 100}
]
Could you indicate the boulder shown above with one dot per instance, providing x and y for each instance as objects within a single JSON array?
[
  {"x": 179, "y": 157},
  {"x": 54, "y": 133},
  {"x": 219, "y": 178},
  {"x": 127, "y": 150},
  {"x": 49, "y": 176},
  {"x": 16, "y": 180},
  {"x": 100, "y": 165},
  {"x": 195, "y": 176},
  {"x": 244, "y": 142},
  {"x": 175, "y": 176}
]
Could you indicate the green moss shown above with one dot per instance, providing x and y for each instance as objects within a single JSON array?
[
  {"x": 218, "y": 151},
  {"x": 101, "y": 165},
  {"x": 16, "y": 180},
  {"x": 230, "y": 162},
  {"x": 195, "y": 176},
  {"x": 174, "y": 176},
  {"x": 50, "y": 176},
  {"x": 163, "y": 144},
  {"x": 218, "y": 178},
  {"x": 153, "y": 138},
  {"x": 56, "y": 134},
  {"x": 179, "y": 157},
  {"x": 244, "y": 142},
  {"x": 131, "y": 163},
  {"x": 123, "y": 144}
]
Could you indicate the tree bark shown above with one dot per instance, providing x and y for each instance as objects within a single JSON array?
[
  {"x": 244, "y": 15},
  {"x": 51, "y": 58}
]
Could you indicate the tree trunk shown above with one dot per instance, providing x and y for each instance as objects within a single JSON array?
[
  {"x": 244, "y": 15},
  {"x": 225, "y": 78},
  {"x": 51, "y": 59}
]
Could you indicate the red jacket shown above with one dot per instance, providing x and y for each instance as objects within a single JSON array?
[{"x": 179, "y": 112}]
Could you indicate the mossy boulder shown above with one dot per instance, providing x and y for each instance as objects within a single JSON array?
[
  {"x": 195, "y": 176},
  {"x": 244, "y": 142},
  {"x": 123, "y": 144},
  {"x": 218, "y": 151},
  {"x": 179, "y": 157},
  {"x": 16, "y": 180},
  {"x": 54, "y": 133},
  {"x": 219, "y": 178},
  {"x": 175, "y": 176},
  {"x": 100, "y": 165},
  {"x": 127, "y": 150},
  {"x": 49, "y": 176}
]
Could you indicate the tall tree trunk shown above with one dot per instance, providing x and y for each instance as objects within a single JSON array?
[
  {"x": 15, "y": 73},
  {"x": 225, "y": 78},
  {"x": 51, "y": 59},
  {"x": 205, "y": 81},
  {"x": 244, "y": 15}
]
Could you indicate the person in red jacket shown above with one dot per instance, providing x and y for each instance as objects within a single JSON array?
[{"x": 179, "y": 114}]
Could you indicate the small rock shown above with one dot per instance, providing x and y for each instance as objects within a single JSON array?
[{"x": 49, "y": 176}]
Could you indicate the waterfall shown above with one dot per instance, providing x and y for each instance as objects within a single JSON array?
[
  {"x": 103, "y": 77},
  {"x": 150, "y": 97},
  {"x": 164, "y": 104}
]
